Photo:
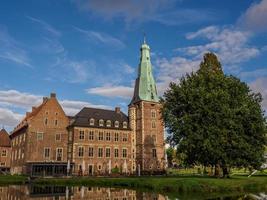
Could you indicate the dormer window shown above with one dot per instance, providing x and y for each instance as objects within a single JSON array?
[
  {"x": 101, "y": 122},
  {"x": 92, "y": 122},
  {"x": 124, "y": 124},
  {"x": 108, "y": 123},
  {"x": 117, "y": 124}
]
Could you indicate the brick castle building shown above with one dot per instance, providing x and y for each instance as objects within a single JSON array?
[
  {"x": 94, "y": 141},
  {"x": 5, "y": 151}
]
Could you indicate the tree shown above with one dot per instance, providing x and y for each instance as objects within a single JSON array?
[{"x": 215, "y": 119}]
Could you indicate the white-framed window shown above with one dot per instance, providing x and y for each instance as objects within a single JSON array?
[
  {"x": 153, "y": 114},
  {"x": 101, "y": 122},
  {"x": 154, "y": 153},
  {"x": 59, "y": 154},
  {"x": 40, "y": 136},
  {"x": 124, "y": 137},
  {"x": 91, "y": 152},
  {"x": 153, "y": 124},
  {"x": 80, "y": 152},
  {"x": 92, "y": 122},
  {"x": 116, "y": 152},
  {"x": 91, "y": 135},
  {"x": 4, "y": 153},
  {"x": 107, "y": 152},
  {"x": 117, "y": 124},
  {"x": 116, "y": 137},
  {"x": 124, "y": 153},
  {"x": 58, "y": 137},
  {"x": 47, "y": 153},
  {"x": 124, "y": 124},
  {"x": 108, "y": 124},
  {"x": 108, "y": 137},
  {"x": 3, "y": 164},
  {"x": 100, "y": 152},
  {"x": 100, "y": 136},
  {"x": 81, "y": 135}
]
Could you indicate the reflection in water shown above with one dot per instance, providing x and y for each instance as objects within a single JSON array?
[{"x": 23, "y": 192}]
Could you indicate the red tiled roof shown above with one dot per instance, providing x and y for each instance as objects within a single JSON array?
[{"x": 4, "y": 139}]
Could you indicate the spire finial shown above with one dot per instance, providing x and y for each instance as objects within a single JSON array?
[{"x": 144, "y": 37}]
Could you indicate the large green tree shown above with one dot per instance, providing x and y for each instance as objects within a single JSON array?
[{"x": 215, "y": 119}]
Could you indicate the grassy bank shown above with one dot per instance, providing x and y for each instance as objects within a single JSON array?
[{"x": 171, "y": 184}]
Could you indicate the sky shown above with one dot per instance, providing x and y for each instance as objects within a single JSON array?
[{"x": 87, "y": 51}]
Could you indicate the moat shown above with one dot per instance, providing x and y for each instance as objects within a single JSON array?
[{"x": 48, "y": 192}]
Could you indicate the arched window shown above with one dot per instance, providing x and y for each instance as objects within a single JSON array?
[
  {"x": 124, "y": 124},
  {"x": 117, "y": 124},
  {"x": 108, "y": 123},
  {"x": 101, "y": 122},
  {"x": 92, "y": 122}
]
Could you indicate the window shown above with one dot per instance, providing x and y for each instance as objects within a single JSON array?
[
  {"x": 58, "y": 137},
  {"x": 100, "y": 152},
  {"x": 39, "y": 136},
  {"x": 91, "y": 152},
  {"x": 100, "y": 136},
  {"x": 154, "y": 138},
  {"x": 107, "y": 152},
  {"x": 153, "y": 125},
  {"x": 99, "y": 167},
  {"x": 124, "y": 124},
  {"x": 125, "y": 137},
  {"x": 46, "y": 121},
  {"x": 153, "y": 114},
  {"x": 91, "y": 135},
  {"x": 3, "y": 164},
  {"x": 117, "y": 124},
  {"x": 59, "y": 154},
  {"x": 154, "y": 153},
  {"x": 4, "y": 153},
  {"x": 46, "y": 153},
  {"x": 124, "y": 153},
  {"x": 108, "y": 136},
  {"x": 81, "y": 136},
  {"x": 116, "y": 153},
  {"x": 101, "y": 122},
  {"x": 92, "y": 122},
  {"x": 116, "y": 138},
  {"x": 56, "y": 122},
  {"x": 80, "y": 151},
  {"x": 108, "y": 123}
]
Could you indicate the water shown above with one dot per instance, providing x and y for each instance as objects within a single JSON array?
[{"x": 26, "y": 192}]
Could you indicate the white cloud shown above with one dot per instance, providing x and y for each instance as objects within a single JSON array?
[
  {"x": 47, "y": 27},
  {"x": 112, "y": 91},
  {"x": 230, "y": 44},
  {"x": 9, "y": 118},
  {"x": 254, "y": 19},
  {"x": 259, "y": 85},
  {"x": 11, "y": 50},
  {"x": 261, "y": 72},
  {"x": 101, "y": 38},
  {"x": 13, "y": 100}
]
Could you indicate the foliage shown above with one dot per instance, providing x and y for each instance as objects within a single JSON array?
[
  {"x": 115, "y": 170},
  {"x": 215, "y": 119}
]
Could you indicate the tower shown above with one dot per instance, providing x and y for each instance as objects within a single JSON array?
[{"x": 145, "y": 119}]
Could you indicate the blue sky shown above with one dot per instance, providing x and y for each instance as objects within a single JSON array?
[{"x": 87, "y": 51}]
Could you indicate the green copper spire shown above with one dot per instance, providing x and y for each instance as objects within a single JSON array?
[{"x": 145, "y": 86}]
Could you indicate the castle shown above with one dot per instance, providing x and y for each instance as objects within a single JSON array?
[{"x": 94, "y": 141}]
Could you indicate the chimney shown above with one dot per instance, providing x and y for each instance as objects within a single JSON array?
[
  {"x": 117, "y": 110},
  {"x": 53, "y": 95},
  {"x": 33, "y": 108},
  {"x": 45, "y": 99}
]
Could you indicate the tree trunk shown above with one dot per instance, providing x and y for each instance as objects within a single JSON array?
[
  {"x": 217, "y": 171},
  {"x": 225, "y": 172}
]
